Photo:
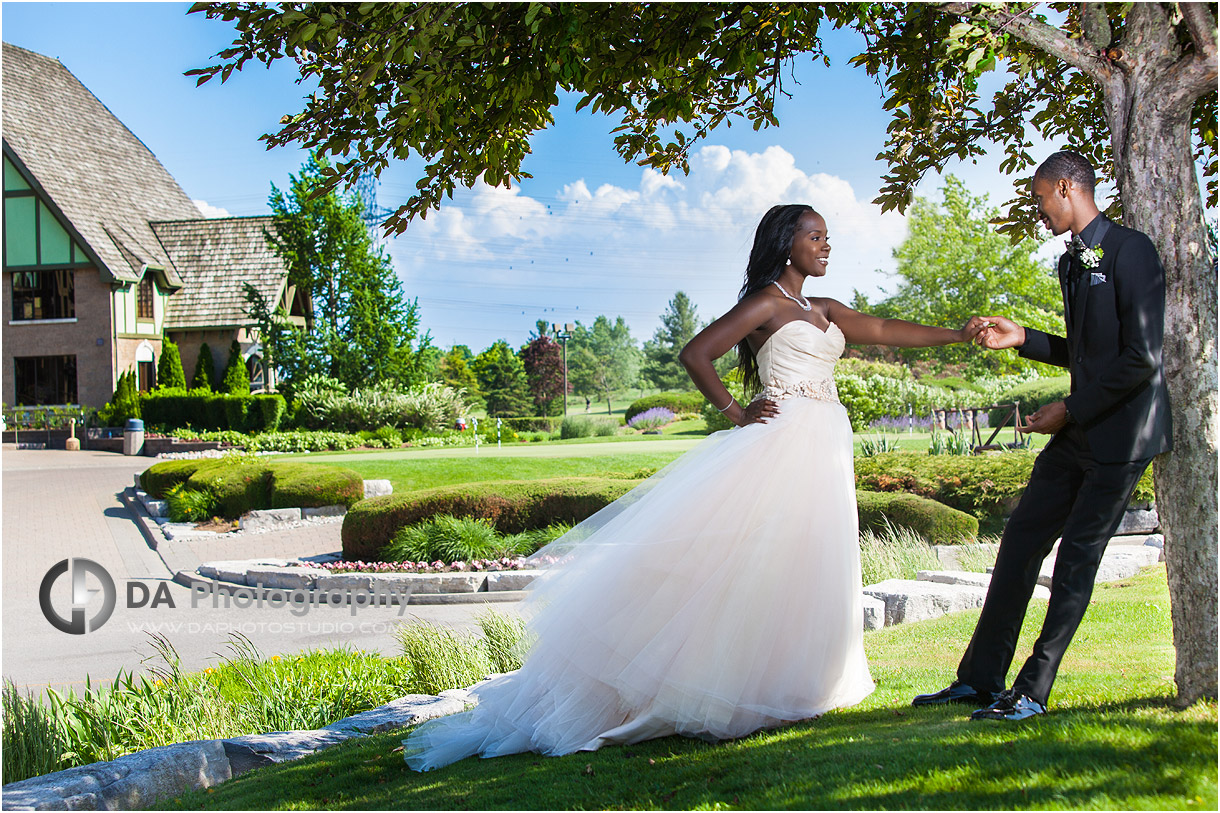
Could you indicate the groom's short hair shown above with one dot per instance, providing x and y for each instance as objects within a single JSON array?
[{"x": 1071, "y": 165}]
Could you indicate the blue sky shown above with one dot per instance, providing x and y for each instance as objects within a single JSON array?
[{"x": 587, "y": 235}]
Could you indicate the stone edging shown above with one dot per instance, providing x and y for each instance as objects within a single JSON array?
[
  {"x": 141, "y": 779},
  {"x": 269, "y": 578}
]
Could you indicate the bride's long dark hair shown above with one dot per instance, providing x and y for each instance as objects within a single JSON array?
[{"x": 772, "y": 247}]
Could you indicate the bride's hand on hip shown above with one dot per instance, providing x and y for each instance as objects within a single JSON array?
[{"x": 759, "y": 411}]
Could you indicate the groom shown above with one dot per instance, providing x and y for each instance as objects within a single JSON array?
[{"x": 1108, "y": 429}]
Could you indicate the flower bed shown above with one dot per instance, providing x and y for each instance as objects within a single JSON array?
[{"x": 473, "y": 566}]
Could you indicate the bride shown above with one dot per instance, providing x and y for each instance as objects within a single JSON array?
[{"x": 723, "y": 594}]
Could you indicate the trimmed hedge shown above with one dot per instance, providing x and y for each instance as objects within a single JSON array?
[
  {"x": 986, "y": 486},
  {"x": 307, "y": 485},
  {"x": 206, "y": 410},
  {"x": 161, "y": 477},
  {"x": 512, "y": 506},
  {"x": 239, "y": 487},
  {"x": 679, "y": 403},
  {"x": 937, "y": 523}
]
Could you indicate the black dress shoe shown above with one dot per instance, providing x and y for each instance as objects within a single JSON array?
[
  {"x": 957, "y": 692},
  {"x": 1010, "y": 706}
]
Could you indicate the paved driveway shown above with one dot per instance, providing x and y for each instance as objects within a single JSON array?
[{"x": 59, "y": 504}]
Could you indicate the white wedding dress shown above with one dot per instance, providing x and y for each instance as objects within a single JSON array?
[{"x": 719, "y": 597}]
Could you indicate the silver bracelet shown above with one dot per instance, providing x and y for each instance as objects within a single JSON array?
[{"x": 732, "y": 401}]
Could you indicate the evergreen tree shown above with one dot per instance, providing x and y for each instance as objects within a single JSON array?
[
  {"x": 679, "y": 324},
  {"x": 364, "y": 330},
  {"x": 205, "y": 369},
  {"x": 169, "y": 366},
  {"x": 503, "y": 381},
  {"x": 124, "y": 402},
  {"x": 236, "y": 379}
]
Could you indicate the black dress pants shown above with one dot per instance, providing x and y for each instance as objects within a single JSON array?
[{"x": 1072, "y": 495}]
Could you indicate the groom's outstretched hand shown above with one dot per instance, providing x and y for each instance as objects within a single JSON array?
[{"x": 999, "y": 333}]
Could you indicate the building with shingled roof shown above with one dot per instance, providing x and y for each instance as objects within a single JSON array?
[{"x": 104, "y": 253}]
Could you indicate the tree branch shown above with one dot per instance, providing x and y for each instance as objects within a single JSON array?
[
  {"x": 1202, "y": 28},
  {"x": 1044, "y": 37},
  {"x": 1095, "y": 23}
]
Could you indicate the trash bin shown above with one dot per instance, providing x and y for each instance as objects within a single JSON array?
[{"x": 133, "y": 436}]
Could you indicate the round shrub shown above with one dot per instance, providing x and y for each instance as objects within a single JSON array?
[
  {"x": 238, "y": 488},
  {"x": 679, "y": 403},
  {"x": 511, "y": 506},
  {"x": 237, "y": 484},
  {"x": 935, "y": 522},
  {"x": 305, "y": 485},
  {"x": 159, "y": 478},
  {"x": 986, "y": 486}
]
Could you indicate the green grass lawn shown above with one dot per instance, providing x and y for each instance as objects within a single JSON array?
[
  {"x": 411, "y": 469},
  {"x": 1113, "y": 740}
]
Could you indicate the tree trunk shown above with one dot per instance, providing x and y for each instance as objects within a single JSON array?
[{"x": 1154, "y": 168}]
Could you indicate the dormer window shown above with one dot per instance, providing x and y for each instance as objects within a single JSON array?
[{"x": 145, "y": 296}]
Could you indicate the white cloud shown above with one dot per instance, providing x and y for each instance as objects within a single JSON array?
[
  {"x": 208, "y": 210},
  {"x": 626, "y": 249}
]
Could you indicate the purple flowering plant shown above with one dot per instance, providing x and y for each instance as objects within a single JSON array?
[{"x": 649, "y": 419}]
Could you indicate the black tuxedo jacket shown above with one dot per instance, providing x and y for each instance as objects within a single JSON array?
[{"x": 1115, "y": 326}]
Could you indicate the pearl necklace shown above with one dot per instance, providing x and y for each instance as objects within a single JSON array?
[{"x": 805, "y": 306}]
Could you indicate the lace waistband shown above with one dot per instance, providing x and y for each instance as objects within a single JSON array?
[{"x": 819, "y": 389}]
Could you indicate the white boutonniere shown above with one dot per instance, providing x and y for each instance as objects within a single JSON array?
[{"x": 1091, "y": 257}]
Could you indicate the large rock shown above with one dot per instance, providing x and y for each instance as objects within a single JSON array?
[
  {"x": 427, "y": 583},
  {"x": 233, "y": 572},
  {"x": 972, "y": 579},
  {"x": 907, "y": 600},
  {"x": 1117, "y": 563},
  {"x": 510, "y": 579},
  {"x": 287, "y": 578},
  {"x": 344, "y": 581},
  {"x": 950, "y": 555},
  {"x": 154, "y": 507},
  {"x": 323, "y": 511},
  {"x": 405, "y": 711},
  {"x": 1138, "y": 522},
  {"x": 874, "y": 613},
  {"x": 257, "y": 750},
  {"x": 377, "y": 488},
  {"x": 132, "y": 782},
  {"x": 268, "y": 518}
]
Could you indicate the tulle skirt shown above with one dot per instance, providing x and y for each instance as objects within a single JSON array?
[{"x": 719, "y": 597}]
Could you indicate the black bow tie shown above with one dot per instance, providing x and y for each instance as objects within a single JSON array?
[{"x": 1075, "y": 246}]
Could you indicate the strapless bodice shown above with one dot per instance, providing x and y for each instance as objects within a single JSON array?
[{"x": 798, "y": 360}]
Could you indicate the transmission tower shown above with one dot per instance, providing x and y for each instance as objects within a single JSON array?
[{"x": 365, "y": 190}]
